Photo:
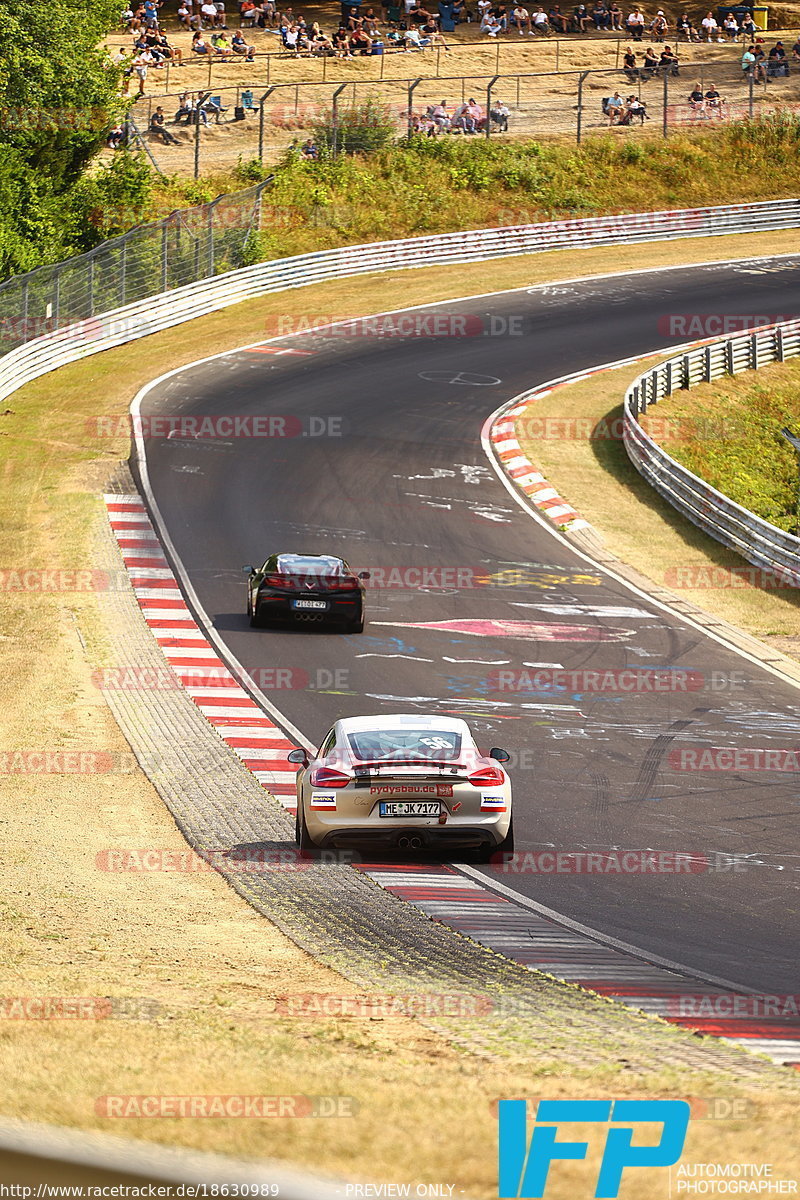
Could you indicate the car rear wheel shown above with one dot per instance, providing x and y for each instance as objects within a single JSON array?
[
  {"x": 300, "y": 831},
  {"x": 356, "y": 625},
  {"x": 487, "y": 853}
]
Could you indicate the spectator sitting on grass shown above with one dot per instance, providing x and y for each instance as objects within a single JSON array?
[
  {"x": 557, "y": 19},
  {"x": 697, "y": 101},
  {"x": 714, "y": 101},
  {"x": 499, "y": 114},
  {"x": 184, "y": 14},
  {"x": 239, "y": 46},
  {"x": 309, "y": 151},
  {"x": 796, "y": 49},
  {"x": 115, "y": 137},
  {"x": 649, "y": 63},
  {"x": 629, "y": 64},
  {"x": 748, "y": 28},
  {"x": 659, "y": 26},
  {"x": 749, "y": 61},
  {"x": 777, "y": 60},
  {"x": 685, "y": 28},
  {"x": 440, "y": 119},
  {"x": 522, "y": 19},
  {"x": 413, "y": 40},
  {"x": 166, "y": 50},
  {"x": 600, "y": 15},
  {"x": 158, "y": 128},
  {"x": 468, "y": 116},
  {"x": 321, "y": 44},
  {"x": 581, "y": 17},
  {"x": 635, "y": 24},
  {"x": 540, "y": 22},
  {"x": 668, "y": 62},
  {"x": 730, "y": 27},
  {"x": 430, "y": 31},
  {"x": 199, "y": 44},
  {"x": 709, "y": 26},
  {"x": 491, "y": 25},
  {"x": 361, "y": 42},
  {"x": 615, "y": 14},
  {"x": 341, "y": 42}
]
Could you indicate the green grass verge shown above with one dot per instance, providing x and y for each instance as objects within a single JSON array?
[{"x": 743, "y": 453}]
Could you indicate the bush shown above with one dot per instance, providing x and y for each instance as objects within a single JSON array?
[{"x": 360, "y": 129}]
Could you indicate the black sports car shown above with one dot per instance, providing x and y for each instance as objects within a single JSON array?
[{"x": 306, "y": 587}]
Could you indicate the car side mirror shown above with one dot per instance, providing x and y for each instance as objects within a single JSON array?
[
  {"x": 248, "y": 569},
  {"x": 364, "y": 575},
  {"x": 500, "y": 755},
  {"x": 298, "y": 756}
]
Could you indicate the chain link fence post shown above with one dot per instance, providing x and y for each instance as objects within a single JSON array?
[{"x": 578, "y": 131}]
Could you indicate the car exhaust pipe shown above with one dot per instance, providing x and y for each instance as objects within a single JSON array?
[{"x": 409, "y": 843}]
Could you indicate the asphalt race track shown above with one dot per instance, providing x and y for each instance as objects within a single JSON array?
[{"x": 387, "y": 469}]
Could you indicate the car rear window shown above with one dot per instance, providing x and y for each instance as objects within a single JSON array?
[
  {"x": 293, "y": 564},
  {"x": 429, "y": 744}
]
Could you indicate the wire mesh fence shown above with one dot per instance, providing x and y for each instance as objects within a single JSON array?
[
  {"x": 184, "y": 247},
  {"x": 248, "y": 124}
]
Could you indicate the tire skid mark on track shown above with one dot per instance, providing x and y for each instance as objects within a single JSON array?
[{"x": 440, "y": 891}]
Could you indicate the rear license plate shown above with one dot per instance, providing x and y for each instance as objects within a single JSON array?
[
  {"x": 409, "y": 808},
  {"x": 310, "y": 604}
]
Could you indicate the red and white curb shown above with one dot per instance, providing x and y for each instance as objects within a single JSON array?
[
  {"x": 518, "y": 467},
  {"x": 441, "y": 892},
  {"x": 463, "y": 904},
  {"x": 238, "y": 720}
]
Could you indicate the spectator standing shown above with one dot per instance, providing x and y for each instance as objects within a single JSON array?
[{"x": 143, "y": 60}]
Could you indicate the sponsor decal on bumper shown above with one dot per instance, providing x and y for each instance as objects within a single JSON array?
[
  {"x": 323, "y": 799},
  {"x": 493, "y": 802}
]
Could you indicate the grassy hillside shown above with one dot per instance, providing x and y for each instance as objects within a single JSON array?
[{"x": 437, "y": 185}]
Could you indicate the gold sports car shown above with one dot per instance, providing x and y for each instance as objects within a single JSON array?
[{"x": 405, "y": 783}]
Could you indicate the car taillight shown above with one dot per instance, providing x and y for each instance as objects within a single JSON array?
[
  {"x": 488, "y": 776},
  {"x": 329, "y": 777},
  {"x": 276, "y": 581}
]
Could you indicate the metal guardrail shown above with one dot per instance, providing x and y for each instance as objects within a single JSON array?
[
  {"x": 759, "y": 542},
  {"x": 35, "y": 1156},
  {"x": 168, "y": 308},
  {"x": 188, "y": 245}
]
